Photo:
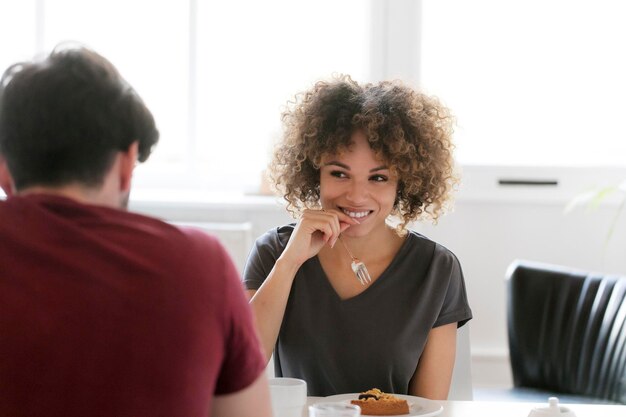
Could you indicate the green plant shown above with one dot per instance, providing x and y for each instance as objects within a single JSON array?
[{"x": 593, "y": 198}]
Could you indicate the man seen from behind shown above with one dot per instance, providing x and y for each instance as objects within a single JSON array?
[{"x": 104, "y": 312}]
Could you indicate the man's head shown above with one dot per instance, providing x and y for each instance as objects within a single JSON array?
[{"x": 66, "y": 118}]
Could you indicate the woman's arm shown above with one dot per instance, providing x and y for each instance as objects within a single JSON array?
[
  {"x": 315, "y": 229},
  {"x": 434, "y": 371},
  {"x": 269, "y": 302}
]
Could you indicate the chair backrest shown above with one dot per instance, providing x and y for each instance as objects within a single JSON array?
[
  {"x": 567, "y": 330},
  {"x": 461, "y": 386}
]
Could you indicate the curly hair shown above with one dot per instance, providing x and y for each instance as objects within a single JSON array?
[{"x": 410, "y": 131}]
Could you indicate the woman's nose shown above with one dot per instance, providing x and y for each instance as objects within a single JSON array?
[{"x": 357, "y": 192}]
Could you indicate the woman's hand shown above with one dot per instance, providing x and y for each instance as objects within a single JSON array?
[{"x": 315, "y": 229}]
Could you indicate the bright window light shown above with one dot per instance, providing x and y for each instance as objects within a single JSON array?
[
  {"x": 532, "y": 82},
  {"x": 255, "y": 56},
  {"x": 148, "y": 41},
  {"x": 18, "y": 31}
]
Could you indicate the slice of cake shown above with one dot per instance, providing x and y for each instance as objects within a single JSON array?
[{"x": 374, "y": 402}]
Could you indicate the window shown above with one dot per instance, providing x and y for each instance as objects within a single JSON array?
[
  {"x": 531, "y": 82},
  {"x": 254, "y": 56},
  {"x": 148, "y": 43},
  {"x": 216, "y": 75},
  {"x": 19, "y": 25}
]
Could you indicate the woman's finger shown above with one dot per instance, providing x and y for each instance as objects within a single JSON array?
[
  {"x": 318, "y": 221},
  {"x": 334, "y": 222}
]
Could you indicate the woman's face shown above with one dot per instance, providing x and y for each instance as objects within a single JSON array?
[{"x": 356, "y": 182}]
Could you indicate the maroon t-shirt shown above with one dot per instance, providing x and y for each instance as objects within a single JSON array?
[{"x": 105, "y": 312}]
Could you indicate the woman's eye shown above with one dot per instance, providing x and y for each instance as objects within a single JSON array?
[
  {"x": 378, "y": 178},
  {"x": 338, "y": 174}
]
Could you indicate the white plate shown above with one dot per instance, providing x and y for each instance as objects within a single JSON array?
[{"x": 418, "y": 406}]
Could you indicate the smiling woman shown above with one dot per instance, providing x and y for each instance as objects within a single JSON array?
[{"x": 353, "y": 155}]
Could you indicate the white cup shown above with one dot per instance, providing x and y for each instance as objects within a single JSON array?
[
  {"x": 334, "y": 410},
  {"x": 288, "y": 396}
]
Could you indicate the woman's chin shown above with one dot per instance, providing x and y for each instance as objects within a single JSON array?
[{"x": 355, "y": 231}]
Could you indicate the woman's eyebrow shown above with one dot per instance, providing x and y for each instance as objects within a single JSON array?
[
  {"x": 337, "y": 163},
  {"x": 344, "y": 166}
]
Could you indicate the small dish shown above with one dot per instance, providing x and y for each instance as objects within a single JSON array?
[{"x": 418, "y": 406}]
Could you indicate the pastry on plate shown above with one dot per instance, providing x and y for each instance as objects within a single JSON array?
[{"x": 374, "y": 402}]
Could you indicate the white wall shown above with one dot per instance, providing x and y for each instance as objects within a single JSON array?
[
  {"x": 489, "y": 228},
  {"x": 493, "y": 225}
]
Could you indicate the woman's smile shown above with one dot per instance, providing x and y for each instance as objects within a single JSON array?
[{"x": 356, "y": 213}]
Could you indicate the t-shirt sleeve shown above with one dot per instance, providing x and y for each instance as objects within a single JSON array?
[
  {"x": 261, "y": 260},
  {"x": 243, "y": 359},
  {"x": 455, "y": 307}
]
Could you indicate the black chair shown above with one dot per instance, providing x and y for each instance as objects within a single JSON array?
[{"x": 567, "y": 333}]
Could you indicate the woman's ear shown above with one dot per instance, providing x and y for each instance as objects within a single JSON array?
[{"x": 6, "y": 180}]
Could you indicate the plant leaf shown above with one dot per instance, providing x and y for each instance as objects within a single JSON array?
[
  {"x": 580, "y": 200},
  {"x": 601, "y": 194},
  {"x": 614, "y": 222}
]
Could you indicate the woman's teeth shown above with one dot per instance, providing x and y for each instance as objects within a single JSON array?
[{"x": 356, "y": 214}]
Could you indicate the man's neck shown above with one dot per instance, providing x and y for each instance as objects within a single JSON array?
[{"x": 82, "y": 194}]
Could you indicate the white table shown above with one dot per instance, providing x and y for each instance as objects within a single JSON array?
[
  {"x": 513, "y": 409},
  {"x": 519, "y": 409}
]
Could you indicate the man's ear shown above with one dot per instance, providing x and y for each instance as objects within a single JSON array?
[
  {"x": 6, "y": 180},
  {"x": 128, "y": 161}
]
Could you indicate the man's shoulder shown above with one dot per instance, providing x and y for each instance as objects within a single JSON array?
[
  {"x": 138, "y": 236},
  {"x": 194, "y": 244},
  {"x": 198, "y": 238}
]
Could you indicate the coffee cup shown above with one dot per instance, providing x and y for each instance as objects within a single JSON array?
[{"x": 288, "y": 396}]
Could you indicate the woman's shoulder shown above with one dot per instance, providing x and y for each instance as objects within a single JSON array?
[
  {"x": 417, "y": 241},
  {"x": 441, "y": 264},
  {"x": 264, "y": 253},
  {"x": 276, "y": 237},
  {"x": 439, "y": 252}
]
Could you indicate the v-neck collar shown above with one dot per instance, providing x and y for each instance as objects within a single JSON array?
[{"x": 374, "y": 285}]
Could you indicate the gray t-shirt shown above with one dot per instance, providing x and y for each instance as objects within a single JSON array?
[{"x": 372, "y": 340}]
